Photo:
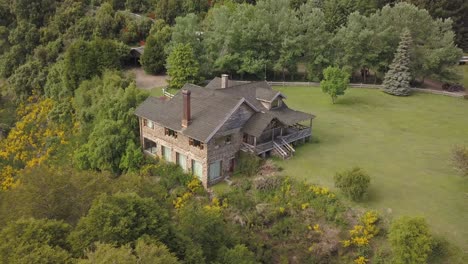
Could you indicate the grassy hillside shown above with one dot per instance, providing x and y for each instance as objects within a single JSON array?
[{"x": 404, "y": 143}]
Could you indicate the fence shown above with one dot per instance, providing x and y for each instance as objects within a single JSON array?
[{"x": 368, "y": 86}]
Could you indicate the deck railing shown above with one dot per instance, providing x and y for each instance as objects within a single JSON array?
[{"x": 282, "y": 140}]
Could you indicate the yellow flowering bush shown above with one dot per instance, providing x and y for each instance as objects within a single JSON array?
[
  {"x": 361, "y": 235},
  {"x": 31, "y": 141},
  {"x": 361, "y": 260}
]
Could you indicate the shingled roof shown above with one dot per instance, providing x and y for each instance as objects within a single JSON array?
[
  {"x": 209, "y": 111},
  {"x": 210, "y": 108}
]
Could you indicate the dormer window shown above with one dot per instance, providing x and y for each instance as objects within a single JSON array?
[
  {"x": 276, "y": 103},
  {"x": 195, "y": 143},
  {"x": 169, "y": 132},
  {"x": 148, "y": 123}
]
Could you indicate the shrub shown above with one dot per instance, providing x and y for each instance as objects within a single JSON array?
[
  {"x": 410, "y": 240},
  {"x": 450, "y": 87},
  {"x": 353, "y": 183},
  {"x": 460, "y": 159},
  {"x": 248, "y": 165}
]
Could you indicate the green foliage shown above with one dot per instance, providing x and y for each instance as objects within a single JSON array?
[
  {"x": 120, "y": 219},
  {"x": 410, "y": 240},
  {"x": 85, "y": 59},
  {"x": 182, "y": 66},
  {"x": 154, "y": 57},
  {"x": 397, "y": 79},
  {"x": 53, "y": 193},
  {"x": 248, "y": 165},
  {"x": 239, "y": 254},
  {"x": 460, "y": 159},
  {"x": 105, "y": 107},
  {"x": 29, "y": 78},
  {"x": 34, "y": 241},
  {"x": 144, "y": 253},
  {"x": 335, "y": 82},
  {"x": 211, "y": 234},
  {"x": 371, "y": 41},
  {"x": 353, "y": 183}
]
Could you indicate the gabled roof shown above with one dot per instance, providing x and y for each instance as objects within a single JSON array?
[
  {"x": 209, "y": 111},
  {"x": 212, "y": 107}
]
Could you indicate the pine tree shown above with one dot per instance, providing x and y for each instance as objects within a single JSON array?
[{"x": 396, "y": 81}]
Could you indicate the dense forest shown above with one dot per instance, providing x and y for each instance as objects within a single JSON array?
[{"x": 75, "y": 186}]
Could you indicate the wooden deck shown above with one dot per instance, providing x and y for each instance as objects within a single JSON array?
[{"x": 281, "y": 143}]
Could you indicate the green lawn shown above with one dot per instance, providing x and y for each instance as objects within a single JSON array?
[
  {"x": 464, "y": 72},
  {"x": 404, "y": 144}
]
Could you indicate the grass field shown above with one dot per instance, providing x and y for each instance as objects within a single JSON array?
[{"x": 403, "y": 143}]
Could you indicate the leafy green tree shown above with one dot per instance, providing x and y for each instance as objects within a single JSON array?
[
  {"x": 144, "y": 253},
  {"x": 53, "y": 193},
  {"x": 182, "y": 66},
  {"x": 353, "y": 183},
  {"x": 105, "y": 23},
  {"x": 239, "y": 254},
  {"x": 34, "y": 241},
  {"x": 109, "y": 254},
  {"x": 36, "y": 12},
  {"x": 120, "y": 219},
  {"x": 316, "y": 40},
  {"x": 168, "y": 10},
  {"x": 397, "y": 79},
  {"x": 335, "y": 82},
  {"x": 29, "y": 78},
  {"x": 154, "y": 56},
  {"x": 211, "y": 234},
  {"x": 132, "y": 159},
  {"x": 149, "y": 252},
  {"x": 372, "y": 42},
  {"x": 85, "y": 59},
  {"x": 410, "y": 240}
]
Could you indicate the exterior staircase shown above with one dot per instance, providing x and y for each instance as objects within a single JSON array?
[{"x": 283, "y": 148}]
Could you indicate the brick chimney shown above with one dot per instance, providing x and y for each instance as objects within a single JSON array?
[
  {"x": 186, "y": 111},
  {"x": 224, "y": 81}
]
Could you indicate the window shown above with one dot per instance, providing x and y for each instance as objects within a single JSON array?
[
  {"x": 167, "y": 153},
  {"x": 170, "y": 132},
  {"x": 149, "y": 146},
  {"x": 148, "y": 123},
  {"x": 227, "y": 139},
  {"x": 214, "y": 170},
  {"x": 197, "y": 169},
  {"x": 181, "y": 160},
  {"x": 195, "y": 143},
  {"x": 276, "y": 103}
]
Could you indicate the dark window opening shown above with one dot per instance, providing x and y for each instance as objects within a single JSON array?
[
  {"x": 170, "y": 132},
  {"x": 196, "y": 143}
]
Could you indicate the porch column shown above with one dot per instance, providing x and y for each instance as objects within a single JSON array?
[
  {"x": 255, "y": 141},
  {"x": 310, "y": 123}
]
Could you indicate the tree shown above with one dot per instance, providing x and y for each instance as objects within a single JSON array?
[
  {"x": 27, "y": 80},
  {"x": 410, "y": 240},
  {"x": 335, "y": 82},
  {"x": 144, "y": 253},
  {"x": 397, "y": 78},
  {"x": 353, "y": 183},
  {"x": 239, "y": 254},
  {"x": 34, "y": 241},
  {"x": 120, "y": 219},
  {"x": 182, "y": 66},
  {"x": 154, "y": 56}
]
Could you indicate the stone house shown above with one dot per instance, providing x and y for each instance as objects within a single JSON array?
[{"x": 203, "y": 129}]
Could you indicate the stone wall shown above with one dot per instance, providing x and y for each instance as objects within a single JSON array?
[{"x": 180, "y": 145}]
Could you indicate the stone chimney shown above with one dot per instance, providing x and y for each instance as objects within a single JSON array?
[
  {"x": 224, "y": 81},
  {"x": 186, "y": 118}
]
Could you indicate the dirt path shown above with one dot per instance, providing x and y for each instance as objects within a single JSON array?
[{"x": 147, "y": 81}]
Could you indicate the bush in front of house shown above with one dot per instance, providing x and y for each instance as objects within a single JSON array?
[
  {"x": 410, "y": 240},
  {"x": 353, "y": 183},
  {"x": 248, "y": 164},
  {"x": 460, "y": 159}
]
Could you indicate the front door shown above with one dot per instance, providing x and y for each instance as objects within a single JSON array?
[{"x": 232, "y": 165}]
